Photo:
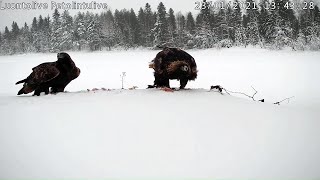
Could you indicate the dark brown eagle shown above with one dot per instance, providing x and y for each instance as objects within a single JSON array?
[
  {"x": 173, "y": 63},
  {"x": 56, "y": 75}
]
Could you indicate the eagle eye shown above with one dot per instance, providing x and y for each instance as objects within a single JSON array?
[{"x": 184, "y": 68}]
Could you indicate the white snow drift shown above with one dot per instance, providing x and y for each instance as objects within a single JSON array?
[{"x": 148, "y": 133}]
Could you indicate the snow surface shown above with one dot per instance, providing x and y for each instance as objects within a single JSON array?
[{"x": 148, "y": 133}]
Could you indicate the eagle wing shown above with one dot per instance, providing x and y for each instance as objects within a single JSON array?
[{"x": 43, "y": 73}]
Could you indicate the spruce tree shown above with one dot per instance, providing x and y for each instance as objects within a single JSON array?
[
  {"x": 15, "y": 37},
  {"x": 47, "y": 24},
  {"x": 118, "y": 37},
  {"x": 317, "y": 14},
  {"x": 230, "y": 30},
  {"x": 160, "y": 30},
  {"x": 181, "y": 21},
  {"x": 15, "y": 30},
  {"x": 221, "y": 25},
  {"x": 205, "y": 37},
  {"x": 6, "y": 46},
  {"x": 181, "y": 39},
  {"x": 94, "y": 34},
  {"x": 34, "y": 26},
  {"x": 135, "y": 29},
  {"x": 125, "y": 27},
  {"x": 36, "y": 35},
  {"x": 46, "y": 29},
  {"x": 66, "y": 31},
  {"x": 149, "y": 24},
  {"x": 235, "y": 22},
  {"x": 40, "y": 23},
  {"x": 56, "y": 32},
  {"x": 6, "y": 34},
  {"x": 108, "y": 29},
  {"x": 236, "y": 16},
  {"x": 143, "y": 27},
  {"x": 198, "y": 21},
  {"x": 263, "y": 20},
  {"x": 40, "y": 34},
  {"x": 25, "y": 41},
  {"x": 312, "y": 28},
  {"x": 172, "y": 27},
  {"x": 79, "y": 29},
  {"x": 288, "y": 19},
  {"x": 190, "y": 24},
  {"x": 252, "y": 27},
  {"x": 279, "y": 31}
]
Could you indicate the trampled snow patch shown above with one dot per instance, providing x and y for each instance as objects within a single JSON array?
[{"x": 149, "y": 133}]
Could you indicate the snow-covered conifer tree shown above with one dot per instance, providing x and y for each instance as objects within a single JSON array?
[
  {"x": 66, "y": 31},
  {"x": 160, "y": 29},
  {"x": 56, "y": 32},
  {"x": 94, "y": 34}
]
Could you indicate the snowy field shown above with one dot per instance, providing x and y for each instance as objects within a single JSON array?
[{"x": 152, "y": 134}]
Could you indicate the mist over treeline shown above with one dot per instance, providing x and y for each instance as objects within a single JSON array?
[{"x": 281, "y": 26}]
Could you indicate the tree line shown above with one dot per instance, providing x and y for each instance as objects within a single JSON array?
[{"x": 276, "y": 28}]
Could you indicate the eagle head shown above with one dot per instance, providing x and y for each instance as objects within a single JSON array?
[{"x": 63, "y": 55}]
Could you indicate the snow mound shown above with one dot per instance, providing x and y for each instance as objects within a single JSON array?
[
  {"x": 153, "y": 133},
  {"x": 149, "y": 133}
]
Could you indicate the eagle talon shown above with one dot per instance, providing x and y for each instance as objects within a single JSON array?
[{"x": 151, "y": 86}]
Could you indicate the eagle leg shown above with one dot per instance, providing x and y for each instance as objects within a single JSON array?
[
  {"x": 183, "y": 83},
  {"x": 160, "y": 81}
]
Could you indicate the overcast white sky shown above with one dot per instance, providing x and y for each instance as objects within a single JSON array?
[{"x": 21, "y": 16}]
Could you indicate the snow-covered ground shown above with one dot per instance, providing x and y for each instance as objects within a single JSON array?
[{"x": 148, "y": 133}]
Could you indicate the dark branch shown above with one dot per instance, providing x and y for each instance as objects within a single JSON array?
[
  {"x": 286, "y": 99},
  {"x": 234, "y": 92},
  {"x": 220, "y": 89}
]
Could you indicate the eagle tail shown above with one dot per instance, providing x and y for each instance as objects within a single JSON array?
[
  {"x": 21, "y": 91},
  {"x": 22, "y": 81}
]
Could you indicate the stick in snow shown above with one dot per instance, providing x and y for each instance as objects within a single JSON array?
[
  {"x": 220, "y": 89},
  {"x": 288, "y": 99}
]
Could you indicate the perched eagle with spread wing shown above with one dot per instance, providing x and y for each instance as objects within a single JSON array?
[
  {"x": 173, "y": 63},
  {"x": 55, "y": 75}
]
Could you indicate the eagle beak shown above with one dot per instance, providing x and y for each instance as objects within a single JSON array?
[
  {"x": 78, "y": 71},
  {"x": 59, "y": 55}
]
